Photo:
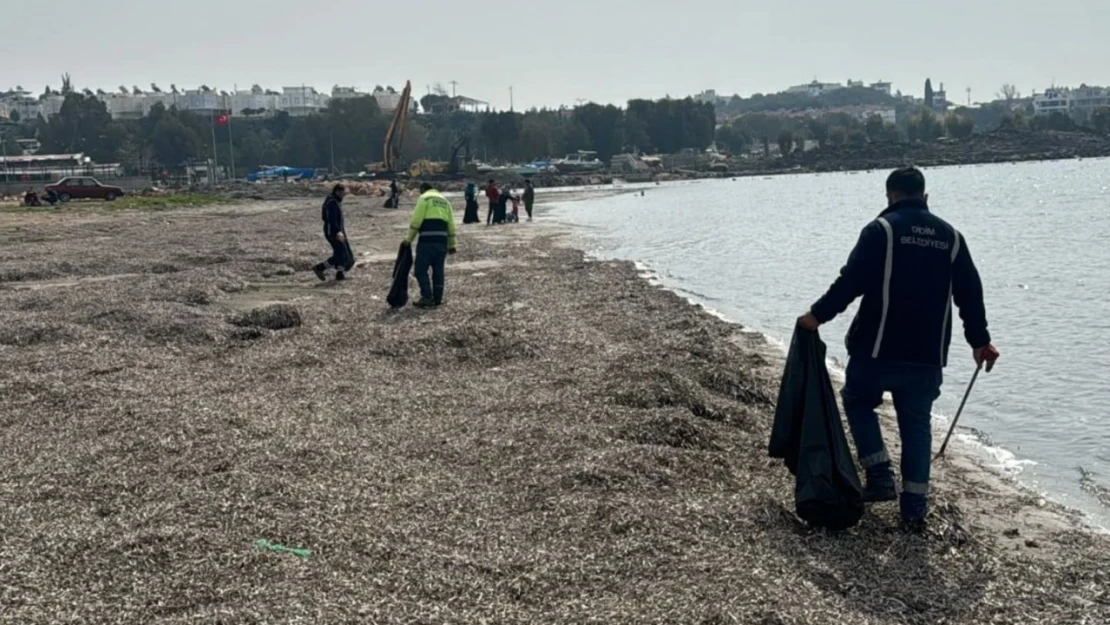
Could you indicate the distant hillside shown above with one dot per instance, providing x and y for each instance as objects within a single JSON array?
[{"x": 848, "y": 96}]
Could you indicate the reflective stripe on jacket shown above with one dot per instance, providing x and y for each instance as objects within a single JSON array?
[
  {"x": 433, "y": 217},
  {"x": 909, "y": 266}
]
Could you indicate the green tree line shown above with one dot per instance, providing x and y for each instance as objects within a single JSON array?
[{"x": 349, "y": 134}]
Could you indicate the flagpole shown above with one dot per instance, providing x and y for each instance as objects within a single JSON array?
[
  {"x": 230, "y": 144},
  {"x": 215, "y": 159}
]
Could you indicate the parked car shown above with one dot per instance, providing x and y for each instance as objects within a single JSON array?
[{"x": 84, "y": 188}]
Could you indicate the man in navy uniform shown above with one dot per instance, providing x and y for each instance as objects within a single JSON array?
[{"x": 909, "y": 266}]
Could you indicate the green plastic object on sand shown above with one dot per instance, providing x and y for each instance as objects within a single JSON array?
[{"x": 265, "y": 544}]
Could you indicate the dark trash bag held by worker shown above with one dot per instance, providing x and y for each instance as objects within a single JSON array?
[
  {"x": 809, "y": 436},
  {"x": 402, "y": 267}
]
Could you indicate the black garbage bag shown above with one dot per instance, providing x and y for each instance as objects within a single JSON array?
[
  {"x": 809, "y": 436},
  {"x": 342, "y": 256},
  {"x": 402, "y": 267}
]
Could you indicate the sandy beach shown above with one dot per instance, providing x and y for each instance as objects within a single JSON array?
[{"x": 561, "y": 443}]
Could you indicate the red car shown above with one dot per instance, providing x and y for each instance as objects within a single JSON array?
[{"x": 83, "y": 188}]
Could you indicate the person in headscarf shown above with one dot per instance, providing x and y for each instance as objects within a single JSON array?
[{"x": 470, "y": 215}]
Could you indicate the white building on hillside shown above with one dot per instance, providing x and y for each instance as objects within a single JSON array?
[
  {"x": 887, "y": 113},
  {"x": 51, "y": 105},
  {"x": 862, "y": 112},
  {"x": 255, "y": 101},
  {"x": 302, "y": 101},
  {"x": 882, "y": 87},
  {"x": 1079, "y": 102},
  {"x": 388, "y": 99},
  {"x": 203, "y": 102},
  {"x": 708, "y": 96},
  {"x": 347, "y": 93},
  {"x": 20, "y": 105},
  {"x": 815, "y": 88},
  {"x": 135, "y": 105}
]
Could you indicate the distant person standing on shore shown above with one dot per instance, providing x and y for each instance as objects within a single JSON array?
[
  {"x": 493, "y": 195},
  {"x": 908, "y": 266},
  {"x": 501, "y": 213},
  {"x": 342, "y": 259},
  {"x": 470, "y": 214},
  {"x": 433, "y": 221},
  {"x": 529, "y": 198},
  {"x": 394, "y": 194}
]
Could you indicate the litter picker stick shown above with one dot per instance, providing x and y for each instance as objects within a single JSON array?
[{"x": 956, "y": 420}]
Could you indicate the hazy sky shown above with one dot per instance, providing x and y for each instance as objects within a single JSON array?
[{"x": 556, "y": 51}]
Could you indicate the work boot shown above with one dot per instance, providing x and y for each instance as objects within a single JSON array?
[
  {"x": 321, "y": 271},
  {"x": 915, "y": 525},
  {"x": 914, "y": 507},
  {"x": 880, "y": 487},
  {"x": 340, "y": 276},
  {"x": 424, "y": 303}
]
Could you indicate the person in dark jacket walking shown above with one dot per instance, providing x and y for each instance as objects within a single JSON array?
[
  {"x": 493, "y": 195},
  {"x": 434, "y": 222},
  {"x": 529, "y": 198},
  {"x": 394, "y": 194},
  {"x": 342, "y": 260},
  {"x": 909, "y": 266},
  {"x": 501, "y": 213}
]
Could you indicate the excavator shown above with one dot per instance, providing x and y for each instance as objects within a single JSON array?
[
  {"x": 454, "y": 166},
  {"x": 392, "y": 152},
  {"x": 395, "y": 138}
]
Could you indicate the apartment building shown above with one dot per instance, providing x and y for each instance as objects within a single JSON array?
[
  {"x": 1079, "y": 102},
  {"x": 302, "y": 101}
]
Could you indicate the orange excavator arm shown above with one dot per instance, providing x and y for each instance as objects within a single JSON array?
[{"x": 397, "y": 126}]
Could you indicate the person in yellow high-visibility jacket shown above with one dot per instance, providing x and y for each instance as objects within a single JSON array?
[{"x": 434, "y": 222}]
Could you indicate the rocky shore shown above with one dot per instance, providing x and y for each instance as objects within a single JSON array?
[
  {"x": 561, "y": 443},
  {"x": 1001, "y": 146}
]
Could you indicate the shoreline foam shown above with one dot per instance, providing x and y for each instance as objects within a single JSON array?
[{"x": 994, "y": 461}]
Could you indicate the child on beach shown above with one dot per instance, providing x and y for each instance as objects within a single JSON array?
[{"x": 516, "y": 208}]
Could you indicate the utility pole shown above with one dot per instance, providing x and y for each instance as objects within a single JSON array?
[
  {"x": 4, "y": 149},
  {"x": 510, "y": 98},
  {"x": 453, "y": 85},
  {"x": 969, "y": 96}
]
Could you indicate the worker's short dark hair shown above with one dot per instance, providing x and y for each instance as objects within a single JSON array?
[
  {"x": 425, "y": 187},
  {"x": 491, "y": 180},
  {"x": 337, "y": 189},
  {"x": 907, "y": 181}
]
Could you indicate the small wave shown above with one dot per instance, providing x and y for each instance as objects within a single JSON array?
[
  {"x": 692, "y": 293},
  {"x": 715, "y": 313},
  {"x": 1087, "y": 483},
  {"x": 977, "y": 442}
]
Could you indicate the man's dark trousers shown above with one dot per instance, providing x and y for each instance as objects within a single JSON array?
[
  {"x": 431, "y": 254},
  {"x": 914, "y": 389},
  {"x": 341, "y": 256}
]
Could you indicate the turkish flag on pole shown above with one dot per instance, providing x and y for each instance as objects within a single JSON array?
[{"x": 222, "y": 120}]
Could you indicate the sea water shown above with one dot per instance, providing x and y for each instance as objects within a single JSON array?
[{"x": 761, "y": 250}]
